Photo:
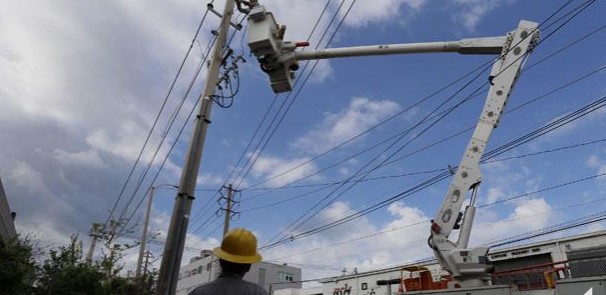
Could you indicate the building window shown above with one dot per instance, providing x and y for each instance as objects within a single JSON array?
[
  {"x": 285, "y": 276},
  {"x": 200, "y": 269},
  {"x": 208, "y": 265},
  {"x": 364, "y": 286}
]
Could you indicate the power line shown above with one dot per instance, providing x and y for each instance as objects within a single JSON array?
[
  {"x": 400, "y": 112},
  {"x": 264, "y": 117},
  {"x": 595, "y": 176},
  {"x": 547, "y": 151},
  {"x": 273, "y": 101},
  {"x": 341, "y": 181},
  {"x": 420, "y": 222},
  {"x": 190, "y": 87},
  {"x": 257, "y": 154},
  {"x": 361, "y": 170},
  {"x": 589, "y": 219},
  {"x": 170, "y": 89},
  {"x": 333, "y": 198},
  {"x": 326, "y": 185},
  {"x": 532, "y": 135},
  {"x": 165, "y": 134},
  {"x": 577, "y": 41}
]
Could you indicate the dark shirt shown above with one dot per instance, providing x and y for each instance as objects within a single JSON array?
[{"x": 227, "y": 284}]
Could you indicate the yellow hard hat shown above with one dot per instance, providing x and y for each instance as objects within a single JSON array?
[{"x": 239, "y": 246}]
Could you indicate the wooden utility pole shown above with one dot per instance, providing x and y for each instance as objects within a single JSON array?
[
  {"x": 228, "y": 209},
  {"x": 177, "y": 231}
]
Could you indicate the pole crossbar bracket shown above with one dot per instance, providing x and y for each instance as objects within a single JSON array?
[{"x": 212, "y": 9}]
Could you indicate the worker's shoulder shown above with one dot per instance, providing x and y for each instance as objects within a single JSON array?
[
  {"x": 239, "y": 286},
  {"x": 256, "y": 287},
  {"x": 252, "y": 288}
]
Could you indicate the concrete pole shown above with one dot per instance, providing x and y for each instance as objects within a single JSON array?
[
  {"x": 175, "y": 241},
  {"x": 144, "y": 233},
  {"x": 227, "y": 209},
  {"x": 147, "y": 256},
  {"x": 95, "y": 236}
]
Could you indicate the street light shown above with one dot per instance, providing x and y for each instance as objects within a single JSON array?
[{"x": 146, "y": 222}]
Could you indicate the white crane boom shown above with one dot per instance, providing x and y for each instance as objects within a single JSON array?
[{"x": 468, "y": 266}]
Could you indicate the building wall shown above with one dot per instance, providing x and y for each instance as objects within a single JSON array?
[
  {"x": 198, "y": 272},
  {"x": 555, "y": 250},
  {"x": 268, "y": 275},
  {"x": 366, "y": 283},
  {"x": 302, "y": 291},
  {"x": 7, "y": 226},
  {"x": 273, "y": 277}
]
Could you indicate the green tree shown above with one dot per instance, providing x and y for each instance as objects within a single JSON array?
[
  {"x": 17, "y": 266},
  {"x": 67, "y": 272}
]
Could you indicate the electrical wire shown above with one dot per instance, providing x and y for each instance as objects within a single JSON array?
[
  {"x": 532, "y": 135},
  {"x": 421, "y": 222},
  {"x": 238, "y": 178},
  {"x": 188, "y": 118},
  {"x": 259, "y": 151},
  {"x": 165, "y": 135},
  {"x": 273, "y": 101},
  {"x": 295, "y": 227},
  {"x": 433, "y": 94},
  {"x": 170, "y": 89},
  {"x": 427, "y": 172}
]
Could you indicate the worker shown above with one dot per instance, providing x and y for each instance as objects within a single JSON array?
[{"x": 237, "y": 252}]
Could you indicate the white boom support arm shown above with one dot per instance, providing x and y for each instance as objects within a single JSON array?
[
  {"x": 468, "y": 267},
  {"x": 491, "y": 45}
]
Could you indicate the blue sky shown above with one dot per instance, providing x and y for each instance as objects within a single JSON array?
[{"x": 82, "y": 85}]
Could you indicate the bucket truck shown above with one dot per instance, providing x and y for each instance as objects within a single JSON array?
[{"x": 468, "y": 266}]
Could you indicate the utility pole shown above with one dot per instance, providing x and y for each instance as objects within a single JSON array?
[
  {"x": 144, "y": 233},
  {"x": 227, "y": 209},
  {"x": 146, "y": 281},
  {"x": 147, "y": 255},
  {"x": 175, "y": 241},
  {"x": 95, "y": 236}
]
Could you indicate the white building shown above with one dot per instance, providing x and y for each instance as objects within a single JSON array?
[
  {"x": 523, "y": 266},
  {"x": 205, "y": 268},
  {"x": 7, "y": 225}
]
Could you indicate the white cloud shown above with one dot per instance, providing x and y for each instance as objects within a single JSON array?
[
  {"x": 24, "y": 175},
  {"x": 358, "y": 244},
  {"x": 473, "y": 11},
  {"x": 268, "y": 167},
  {"x": 126, "y": 143},
  {"x": 81, "y": 87},
  {"x": 593, "y": 161},
  {"x": 361, "y": 114},
  {"x": 300, "y": 18},
  {"x": 601, "y": 172},
  {"x": 570, "y": 127},
  {"x": 527, "y": 215},
  {"x": 88, "y": 158},
  {"x": 209, "y": 179},
  {"x": 380, "y": 11}
]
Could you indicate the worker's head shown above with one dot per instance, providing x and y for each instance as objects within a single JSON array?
[{"x": 238, "y": 250}]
